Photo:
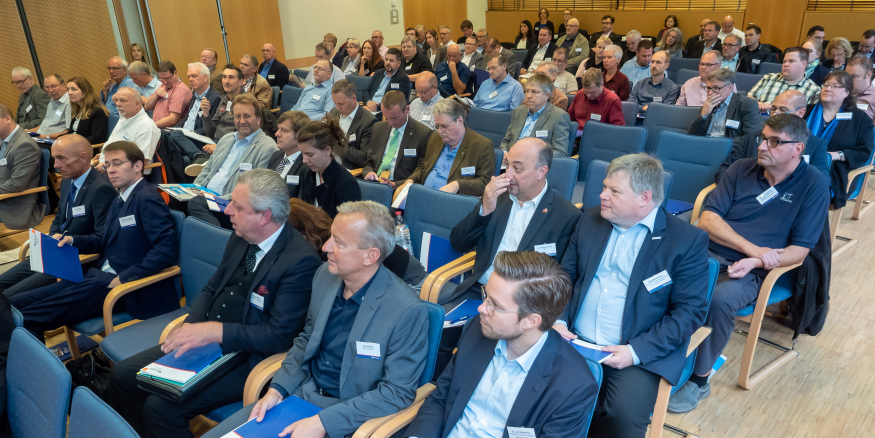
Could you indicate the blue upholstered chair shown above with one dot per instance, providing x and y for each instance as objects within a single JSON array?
[
  {"x": 562, "y": 176},
  {"x": 684, "y": 75},
  {"x": 290, "y": 97},
  {"x": 663, "y": 117},
  {"x": 91, "y": 417},
  {"x": 490, "y": 124},
  {"x": 377, "y": 192},
  {"x": 601, "y": 141},
  {"x": 692, "y": 159}
]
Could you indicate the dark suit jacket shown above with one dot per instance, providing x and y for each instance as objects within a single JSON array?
[
  {"x": 338, "y": 186},
  {"x": 415, "y": 137},
  {"x": 744, "y": 65},
  {"x": 96, "y": 194},
  {"x": 553, "y": 222},
  {"x": 95, "y": 128},
  {"x": 286, "y": 273},
  {"x": 746, "y": 146},
  {"x": 357, "y": 151},
  {"x": 742, "y": 109},
  {"x": 298, "y": 168},
  {"x": 534, "y": 49},
  {"x": 138, "y": 251},
  {"x": 698, "y": 47},
  {"x": 819, "y": 74},
  {"x": 279, "y": 72},
  {"x": 554, "y": 400},
  {"x": 475, "y": 150},
  {"x": 616, "y": 38},
  {"x": 690, "y": 41},
  {"x": 215, "y": 102},
  {"x": 400, "y": 82},
  {"x": 658, "y": 325},
  {"x": 38, "y": 100}
]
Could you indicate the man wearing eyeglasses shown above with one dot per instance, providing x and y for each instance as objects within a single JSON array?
[
  {"x": 709, "y": 41},
  {"x": 724, "y": 113},
  {"x": 32, "y": 102},
  {"x": 272, "y": 70},
  {"x": 377, "y": 36},
  {"x": 867, "y": 44},
  {"x": 860, "y": 69},
  {"x": 118, "y": 78},
  {"x": 427, "y": 90},
  {"x": 57, "y": 117},
  {"x": 764, "y": 214},
  {"x": 732, "y": 60}
]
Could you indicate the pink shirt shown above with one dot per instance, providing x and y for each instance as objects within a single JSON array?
[
  {"x": 176, "y": 102},
  {"x": 867, "y": 99},
  {"x": 693, "y": 92}
]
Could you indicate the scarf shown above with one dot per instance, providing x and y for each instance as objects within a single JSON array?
[
  {"x": 815, "y": 124},
  {"x": 811, "y": 66}
]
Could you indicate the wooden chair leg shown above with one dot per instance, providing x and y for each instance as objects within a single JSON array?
[
  {"x": 71, "y": 343},
  {"x": 859, "y": 207},
  {"x": 747, "y": 380},
  {"x": 660, "y": 409},
  {"x": 834, "y": 226}
]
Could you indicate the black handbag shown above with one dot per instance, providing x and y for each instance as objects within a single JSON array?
[{"x": 92, "y": 371}]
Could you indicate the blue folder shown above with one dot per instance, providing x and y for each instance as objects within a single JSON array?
[
  {"x": 591, "y": 354},
  {"x": 676, "y": 207},
  {"x": 435, "y": 252},
  {"x": 463, "y": 312},
  {"x": 46, "y": 257},
  {"x": 194, "y": 360},
  {"x": 275, "y": 420}
]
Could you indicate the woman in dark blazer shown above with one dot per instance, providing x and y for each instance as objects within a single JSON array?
[
  {"x": 326, "y": 184},
  {"x": 526, "y": 34},
  {"x": 544, "y": 22},
  {"x": 88, "y": 117},
  {"x": 846, "y": 129}
]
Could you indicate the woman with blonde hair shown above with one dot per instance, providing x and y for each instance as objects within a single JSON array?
[
  {"x": 672, "y": 42},
  {"x": 595, "y": 59},
  {"x": 138, "y": 53},
  {"x": 837, "y": 53},
  {"x": 88, "y": 117}
]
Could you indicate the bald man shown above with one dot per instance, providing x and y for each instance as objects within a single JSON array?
[
  {"x": 453, "y": 74},
  {"x": 727, "y": 26},
  {"x": 272, "y": 70},
  {"x": 134, "y": 125},
  {"x": 86, "y": 196}
]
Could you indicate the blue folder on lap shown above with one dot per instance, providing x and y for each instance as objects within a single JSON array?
[
  {"x": 46, "y": 257},
  {"x": 275, "y": 420}
]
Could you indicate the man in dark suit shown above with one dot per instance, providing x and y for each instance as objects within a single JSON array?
[
  {"x": 708, "y": 42},
  {"x": 355, "y": 121},
  {"x": 20, "y": 160},
  {"x": 86, "y": 196},
  {"x": 546, "y": 388},
  {"x": 747, "y": 145},
  {"x": 254, "y": 303},
  {"x": 608, "y": 31},
  {"x": 539, "y": 52},
  {"x": 138, "y": 240},
  {"x": 359, "y": 312},
  {"x": 33, "y": 100},
  {"x": 398, "y": 144},
  {"x": 271, "y": 69},
  {"x": 204, "y": 100},
  {"x": 696, "y": 38},
  {"x": 724, "y": 113},
  {"x": 287, "y": 161},
  {"x": 393, "y": 77},
  {"x": 640, "y": 280}
]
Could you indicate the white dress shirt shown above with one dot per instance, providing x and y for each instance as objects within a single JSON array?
[
  {"x": 290, "y": 162},
  {"x": 345, "y": 121},
  {"x": 139, "y": 129},
  {"x": 265, "y": 246}
]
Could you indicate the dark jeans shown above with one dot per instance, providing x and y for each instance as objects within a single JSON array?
[
  {"x": 625, "y": 402},
  {"x": 20, "y": 278},
  {"x": 197, "y": 207},
  {"x": 450, "y": 336}
]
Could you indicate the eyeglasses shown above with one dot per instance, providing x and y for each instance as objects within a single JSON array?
[
  {"x": 490, "y": 306},
  {"x": 828, "y": 86},
  {"x": 772, "y": 142},
  {"x": 706, "y": 64},
  {"x": 115, "y": 68},
  {"x": 108, "y": 165},
  {"x": 21, "y": 82},
  {"x": 716, "y": 89},
  {"x": 782, "y": 110},
  {"x": 731, "y": 45}
]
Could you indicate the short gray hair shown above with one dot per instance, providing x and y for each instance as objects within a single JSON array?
[
  {"x": 616, "y": 50},
  {"x": 724, "y": 75},
  {"x": 123, "y": 61},
  {"x": 267, "y": 191},
  {"x": 352, "y": 42},
  {"x": 379, "y": 230},
  {"x": 732, "y": 35},
  {"x": 552, "y": 68},
  {"x": 139, "y": 68},
  {"x": 202, "y": 68},
  {"x": 632, "y": 34},
  {"x": 451, "y": 108},
  {"x": 541, "y": 80},
  {"x": 645, "y": 173},
  {"x": 409, "y": 39},
  {"x": 715, "y": 53},
  {"x": 22, "y": 71}
]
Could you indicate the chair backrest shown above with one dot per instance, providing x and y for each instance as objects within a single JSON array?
[
  {"x": 435, "y": 212},
  {"x": 684, "y": 75},
  {"x": 596, "y": 369},
  {"x": 361, "y": 82},
  {"x": 661, "y": 117},
  {"x": 693, "y": 159},
  {"x": 110, "y": 124},
  {"x": 713, "y": 270},
  {"x": 678, "y": 64},
  {"x": 37, "y": 388},
  {"x": 301, "y": 73},
  {"x": 562, "y": 176},
  {"x": 601, "y": 141},
  {"x": 276, "y": 97},
  {"x": 857, "y": 184},
  {"x": 519, "y": 68},
  {"x": 630, "y": 113},
  {"x": 490, "y": 124},
  {"x": 200, "y": 253},
  {"x": 520, "y": 54},
  {"x": 769, "y": 67},
  {"x": 499, "y": 159},
  {"x": 377, "y": 192},
  {"x": 598, "y": 171},
  {"x": 17, "y": 317},
  {"x": 91, "y": 417},
  {"x": 178, "y": 221},
  {"x": 570, "y": 99},
  {"x": 746, "y": 81},
  {"x": 290, "y": 97},
  {"x": 435, "y": 330},
  {"x": 43, "y": 197}
]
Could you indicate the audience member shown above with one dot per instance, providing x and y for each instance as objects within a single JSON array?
[
  {"x": 287, "y": 161},
  {"x": 118, "y": 78},
  {"x": 615, "y": 80},
  {"x": 371, "y": 61},
  {"x": 446, "y": 38},
  {"x": 673, "y": 43},
  {"x": 420, "y": 38},
  {"x": 355, "y": 122},
  {"x": 544, "y": 23},
  {"x": 271, "y": 69},
  {"x": 860, "y": 69},
  {"x": 765, "y": 213},
  {"x": 392, "y": 77},
  {"x": 816, "y": 34},
  {"x": 141, "y": 75},
  {"x": 633, "y": 37},
  {"x": 323, "y": 52},
  {"x": 493, "y": 47},
  {"x": 526, "y": 38},
  {"x": 596, "y": 59},
  {"x": 421, "y": 109},
  {"x": 446, "y": 169},
  {"x": 565, "y": 81},
  {"x": 222, "y": 121},
  {"x": 596, "y": 103},
  {"x": 557, "y": 98},
  {"x": 452, "y": 74},
  {"x": 171, "y": 100},
  {"x": 693, "y": 92},
  {"x": 57, "y": 117},
  {"x": 539, "y": 52},
  {"x": 88, "y": 116},
  {"x": 538, "y": 118},
  {"x": 326, "y": 184},
  {"x": 792, "y": 77},
  {"x": 838, "y": 51},
  {"x": 607, "y": 31},
  {"x": 671, "y": 22},
  {"x": 500, "y": 92},
  {"x": 471, "y": 56},
  {"x": 134, "y": 126},
  {"x": 352, "y": 60},
  {"x": 575, "y": 44},
  {"x": 138, "y": 54},
  {"x": 336, "y": 55},
  {"x": 728, "y": 28},
  {"x": 709, "y": 41},
  {"x": 566, "y": 15},
  {"x": 253, "y": 83},
  {"x": 398, "y": 144},
  {"x": 204, "y": 100},
  {"x": 732, "y": 60},
  {"x": 467, "y": 28},
  {"x": 482, "y": 38},
  {"x": 21, "y": 173},
  {"x": 377, "y": 38},
  {"x": 315, "y": 100},
  {"x": 657, "y": 87},
  {"x": 639, "y": 69},
  {"x": 32, "y": 101},
  {"x": 436, "y": 53},
  {"x": 726, "y": 113},
  {"x": 209, "y": 58},
  {"x": 630, "y": 255},
  {"x": 755, "y": 52},
  {"x": 867, "y": 44},
  {"x": 414, "y": 62},
  {"x": 815, "y": 71},
  {"x": 696, "y": 38}
]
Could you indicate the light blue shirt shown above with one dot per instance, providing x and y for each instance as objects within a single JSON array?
[
  {"x": 148, "y": 89},
  {"x": 266, "y": 68},
  {"x": 220, "y": 179},
  {"x": 732, "y": 64},
  {"x": 485, "y": 416},
  {"x": 635, "y": 72},
  {"x": 530, "y": 122},
  {"x": 315, "y": 101},
  {"x": 4, "y": 145},
  {"x": 195, "y": 108},
  {"x": 110, "y": 105},
  {"x": 381, "y": 90},
  {"x": 77, "y": 183},
  {"x": 438, "y": 176},
  {"x": 500, "y": 96}
]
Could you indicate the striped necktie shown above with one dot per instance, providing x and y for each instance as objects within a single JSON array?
[{"x": 282, "y": 166}]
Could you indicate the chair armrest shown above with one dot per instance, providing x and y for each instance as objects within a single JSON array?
[
  {"x": 87, "y": 258},
  {"x": 173, "y": 324},
  {"x": 23, "y": 251},
  {"x": 97, "y": 146},
  {"x": 576, "y": 157},
  {"x": 259, "y": 376},
  {"x": 697, "y": 207},
  {"x": 275, "y": 110},
  {"x": 154, "y": 165},
  {"x": 370, "y": 427},
  {"x": 579, "y": 205},
  {"x": 397, "y": 192},
  {"x": 439, "y": 277},
  {"x": 355, "y": 172},
  {"x": 697, "y": 338},
  {"x": 855, "y": 173},
  {"x": 125, "y": 288},
  {"x": 6, "y": 196}
]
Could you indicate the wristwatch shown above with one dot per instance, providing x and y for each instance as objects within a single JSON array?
[{"x": 841, "y": 156}]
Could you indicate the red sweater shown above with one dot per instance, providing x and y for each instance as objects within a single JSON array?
[{"x": 607, "y": 109}]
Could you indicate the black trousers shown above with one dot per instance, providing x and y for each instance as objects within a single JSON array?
[
  {"x": 153, "y": 416},
  {"x": 197, "y": 207},
  {"x": 450, "y": 337},
  {"x": 20, "y": 278},
  {"x": 625, "y": 403}
]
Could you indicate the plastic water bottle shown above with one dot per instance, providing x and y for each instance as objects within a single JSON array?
[{"x": 402, "y": 233}]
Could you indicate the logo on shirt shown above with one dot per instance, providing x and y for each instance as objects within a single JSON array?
[{"x": 786, "y": 197}]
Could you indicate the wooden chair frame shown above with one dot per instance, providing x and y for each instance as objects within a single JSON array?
[
  {"x": 3, "y": 197},
  {"x": 657, "y": 422},
  {"x": 431, "y": 287},
  {"x": 859, "y": 210}
]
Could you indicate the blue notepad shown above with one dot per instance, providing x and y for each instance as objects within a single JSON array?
[
  {"x": 275, "y": 420},
  {"x": 46, "y": 257},
  {"x": 185, "y": 367},
  {"x": 462, "y": 313},
  {"x": 676, "y": 207},
  {"x": 590, "y": 353},
  {"x": 436, "y": 252}
]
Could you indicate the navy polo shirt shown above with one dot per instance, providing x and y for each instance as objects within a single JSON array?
[
  {"x": 796, "y": 216},
  {"x": 445, "y": 78}
]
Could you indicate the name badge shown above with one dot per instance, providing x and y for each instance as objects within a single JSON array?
[
  {"x": 843, "y": 116},
  {"x": 657, "y": 282},
  {"x": 657, "y": 99},
  {"x": 863, "y": 106},
  {"x": 578, "y": 49},
  {"x": 245, "y": 166},
  {"x": 755, "y": 62},
  {"x": 408, "y": 67},
  {"x": 425, "y": 118},
  {"x": 596, "y": 117},
  {"x": 444, "y": 77},
  {"x": 59, "y": 112},
  {"x": 79, "y": 211},
  {"x": 29, "y": 107},
  {"x": 3, "y": 162},
  {"x": 200, "y": 113},
  {"x": 732, "y": 124},
  {"x": 125, "y": 137},
  {"x": 409, "y": 152},
  {"x": 806, "y": 158},
  {"x": 541, "y": 134},
  {"x": 228, "y": 106},
  {"x": 468, "y": 171},
  {"x": 270, "y": 77},
  {"x": 127, "y": 221},
  {"x": 257, "y": 301},
  {"x": 555, "y": 35},
  {"x": 292, "y": 179},
  {"x": 369, "y": 350},
  {"x": 394, "y": 86},
  {"x": 520, "y": 432},
  {"x": 316, "y": 97},
  {"x": 493, "y": 94},
  {"x": 351, "y": 137},
  {"x": 767, "y": 196},
  {"x": 547, "y": 248}
]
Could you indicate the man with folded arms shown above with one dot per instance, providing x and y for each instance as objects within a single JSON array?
[
  {"x": 134, "y": 126},
  {"x": 364, "y": 346},
  {"x": 511, "y": 371},
  {"x": 640, "y": 280},
  {"x": 254, "y": 83},
  {"x": 397, "y": 145},
  {"x": 170, "y": 100},
  {"x": 253, "y": 304}
]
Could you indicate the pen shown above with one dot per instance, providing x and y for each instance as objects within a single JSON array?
[{"x": 464, "y": 318}]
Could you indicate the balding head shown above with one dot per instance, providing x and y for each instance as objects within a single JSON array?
[
  {"x": 454, "y": 53},
  {"x": 790, "y": 102},
  {"x": 268, "y": 52},
  {"x": 72, "y": 154},
  {"x": 528, "y": 162},
  {"x": 728, "y": 24},
  {"x": 128, "y": 102}
]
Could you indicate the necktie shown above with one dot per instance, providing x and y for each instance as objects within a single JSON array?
[
  {"x": 3, "y": 145},
  {"x": 282, "y": 166},
  {"x": 250, "y": 258},
  {"x": 391, "y": 151},
  {"x": 71, "y": 198}
]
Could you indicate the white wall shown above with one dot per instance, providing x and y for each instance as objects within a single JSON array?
[
  {"x": 304, "y": 22},
  {"x": 477, "y": 13}
]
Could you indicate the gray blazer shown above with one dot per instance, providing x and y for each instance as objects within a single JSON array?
[
  {"x": 552, "y": 119},
  {"x": 475, "y": 60},
  {"x": 391, "y": 315},
  {"x": 21, "y": 172},
  {"x": 38, "y": 100},
  {"x": 257, "y": 154}
]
